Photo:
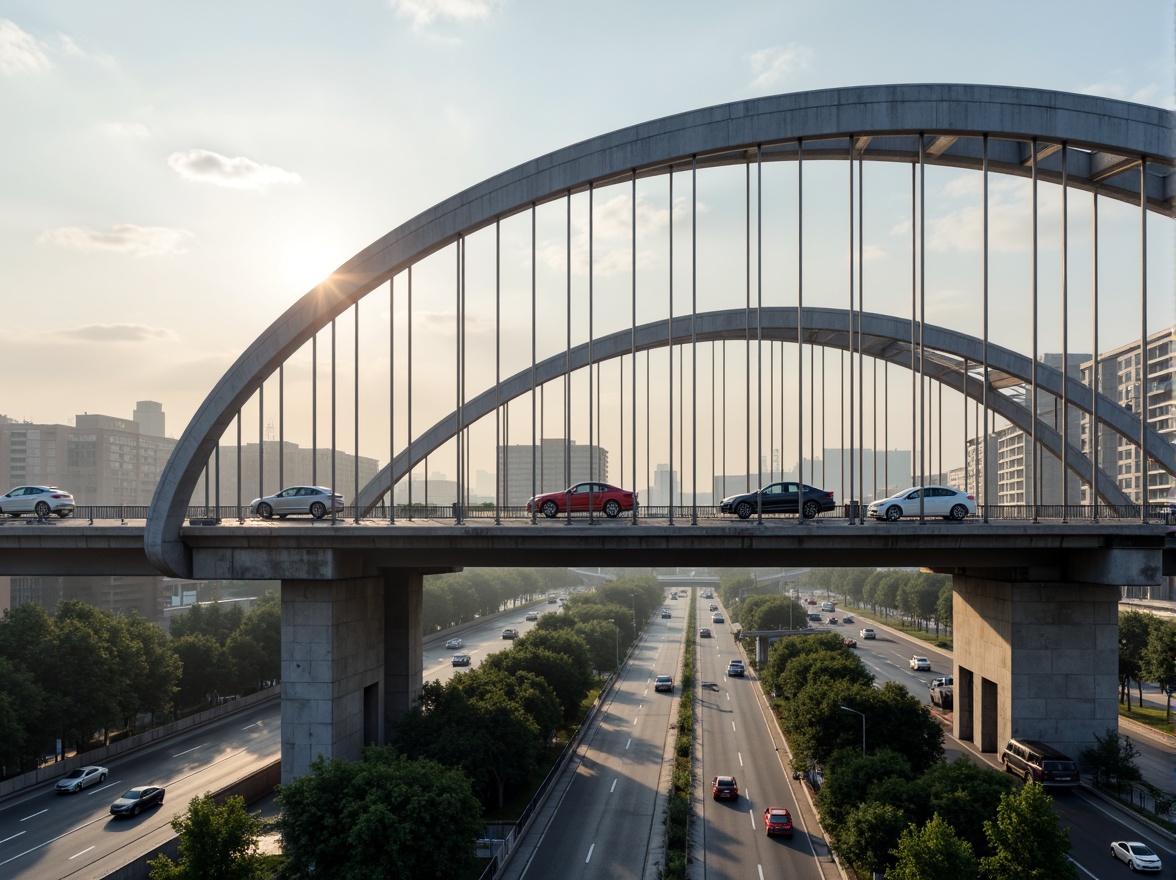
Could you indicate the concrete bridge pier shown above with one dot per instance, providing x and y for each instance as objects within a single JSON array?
[
  {"x": 1036, "y": 652},
  {"x": 351, "y": 663}
]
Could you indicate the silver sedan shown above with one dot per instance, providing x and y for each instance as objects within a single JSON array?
[
  {"x": 315, "y": 500},
  {"x": 41, "y": 500}
]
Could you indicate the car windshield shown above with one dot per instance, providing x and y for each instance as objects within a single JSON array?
[
  {"x": 74, "y": 774},
  {"x": 778, "y": 819},
  {"x": 1139, "y": 849},
  {"x": 1056, "y": 766},
  {"x": 133, "y": 795}
]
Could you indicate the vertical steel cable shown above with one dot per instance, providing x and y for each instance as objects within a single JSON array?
[
  {"x": 408, "y": 414},
  {"x": 965, "y": 420},
  {"x": 800, "y": 495},
  {"x": 535, "y": 449},
  {"x": 1065, "y": 333},
  {"x": 281, "y": 427},
  {"x": 1095, "y": 362},
  {"x": 457, "y": 376},
  {"x": 567, "y": 402},
  {"x": 860, "y": 346},
  {"x": 592, "y": 438},
  {"x": 356, "y": 412},
  {"x": 314, "y": 409},
  {"x": 670, "y": 351},
  {"x": 633, "y": 331},
  {"x": 850, "y": 315},
  {"x": 694, "y": 340},
  {"x": 240, "y": 518},
  {"x": 824, "y": 443},
  {"x": 747, "y": 320},
  {"x": 501, "y": 466},
  {"x": 334, "y": 439},
  {"x": 261, "y": 440},
  {"x": 759, "y": 325},
  {"x": 463, "y": 431},
  {"x": 914, "y": 314},
  {"x": 1145, "y": 493},
  {"x": 1032, "y": 481},
  {"x": 982, "y": 457},
  {"x": 392, "y": 399},
  {"x": 922, "y": 324}
]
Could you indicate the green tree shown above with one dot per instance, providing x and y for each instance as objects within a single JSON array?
[
  {"x": 152, "y": 667},
  {"x": 22, "y": 708},
  {"x": 1134, "y": 631},
  {"x": 964, "y": 795},
  {"x": 569, "y": 678},
  {"x": 216, "y": 841},
  {"x": 603, "y": 638},
  {"x": 206, "y": 669},
  {"x": 208, "y": 619},
  {"x": 772, "y": 612},
  {"x": 932, "y": 852},
  {"x": 255, "y": 647},
  {"x": 822, "y": 666},
  {"x": 783, "y": 651},
  {"x": 377, "y": 817},
  {"x": 944, "y": 607},
  {"x": 1113, "y": 755},
  {"x": 1026, "y": 840},
  {"x": 868, "y": 834},
  {"x": 851, "y": 778},
  {"x": 1158, "y": 660}
]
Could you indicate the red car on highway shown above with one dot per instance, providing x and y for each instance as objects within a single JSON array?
[
  {"x": 778, "y": 820},
  {"x": 599, "y": 497}
]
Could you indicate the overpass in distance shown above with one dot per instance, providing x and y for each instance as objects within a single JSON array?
[{"x": 1035, "y": 598}]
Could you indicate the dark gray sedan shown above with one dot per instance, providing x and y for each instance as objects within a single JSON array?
[
  {"x": 780, "y": 498},
  {"x": 136, "y": 800}
]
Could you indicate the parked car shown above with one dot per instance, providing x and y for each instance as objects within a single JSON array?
[
  {"x": 867, "y": 633},
  {"x": 39, "y": 500},
  {"x": 779, "y": 498},
  {"x": 704, "y": 633},
  {"x": 777, "y": 820},
  {"x": 136, "y": 800},
  {"x": 936, "y": 501},
  {"x": 1137, "y": 856},
  {"x": 735, "y": 667},
  {"x": 920, "y": 664},
  {"x": 454, "y": 644},
  {"x": 724, "y": 788},
  {"x": 600, "y": 497},
  {"x": 663, "y": 683},
  {"x": 509, "y": 633},
  {"x": 318, "y": 501},
  {"x": 461, "y": 659},
  {"x": 531, "y": 615},
  {"x": 1031, "y": 759},
  {"x": 79, "y": 778}
]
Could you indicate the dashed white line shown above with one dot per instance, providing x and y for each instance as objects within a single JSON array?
[
  {"x": 82, "y": 853},
  {"x": 751, "y": 816},
  {"x": 587, "y": 860},
  {"x": 193, "y": 749},
  {"x": 760, "y": 868},
  {"x": 14, "y": 837},
  {"x": 740, "y": 756},
  {"x": 732, "y": 725},
  {"x": 628, "y": 743},
  {"x": 34, "y": 815},
  {"x": 611, "y": 789}
]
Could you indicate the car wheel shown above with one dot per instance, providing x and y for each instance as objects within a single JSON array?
[
  {"x": 811, "y": 509},
  {"x": 959, "y": 512},
  {"x": 42, "y": 508},
  {"x": 135, "y": 810},
  {"x": 318, "y": 510},
  {"x": 64, "y": 513},
  {"x": 612, "y": 509},
  {"x": 550, "y": 509},
  {"x": 743, "y": 509},
  {"x": 893, "y": 513},
  {"x": 265, "y": 511}
]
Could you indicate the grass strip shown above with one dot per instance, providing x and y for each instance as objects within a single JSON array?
[{"x": 682, "y": 781}]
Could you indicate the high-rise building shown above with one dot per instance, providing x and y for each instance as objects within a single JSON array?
[
  {"x": 272, "y": 465},
  {"x": 149, "y": 415},
  {"x": 556, "y": 466}
]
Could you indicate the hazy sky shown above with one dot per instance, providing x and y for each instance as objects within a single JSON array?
[{"x": 174, "y": 176}]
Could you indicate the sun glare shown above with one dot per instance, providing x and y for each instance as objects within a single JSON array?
[{"x": 306, "y": 264}]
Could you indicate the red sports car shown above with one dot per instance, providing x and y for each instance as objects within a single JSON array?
[
  {"x": 778, "y": 820},
  {"x": 605, "y": 499}
]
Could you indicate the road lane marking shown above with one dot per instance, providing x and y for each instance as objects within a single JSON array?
[
  {"x": 629, "y": 743},
  {"x": 728, "y": 696},
  {"x": 732, "y": 725},
  {"x": 587, "y": 860},
  {"x": 751, "y": 816},
  {"x": 740, "y": 755},
  {"x": 611, "y": 789},
  {"x": 82, "y": 853},
  {"x": 15, "y": 836},
  {"x": 760, "y": 868},
  {"x": 33, "y": 816},
  {"x": 193, "y": 749},
  {"x": 103, "y": 788},
  {"x": 1080, "y": 868}
]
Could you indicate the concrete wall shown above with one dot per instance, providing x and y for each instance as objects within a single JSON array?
[{"x": 1037, "y": 660}]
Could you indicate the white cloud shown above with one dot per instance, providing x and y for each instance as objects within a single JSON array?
[
  {"x": 125, "y": 130},
  {"x": 778, "y": 64},
  {"x": 70, "y": 47},
  {"x": 423, "y": 13},
  {"x": 126, "y": 238},
  {"x": 20, "y": 52},
  {"x": 205, "y": 166},
  {"x": 114, "y": 333}
]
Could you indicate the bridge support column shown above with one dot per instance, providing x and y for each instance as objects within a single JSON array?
[
  {"x": 332, "y": 669},
  {"x": 1035, "y": 659},
  {"x": 403, "y": 642}
]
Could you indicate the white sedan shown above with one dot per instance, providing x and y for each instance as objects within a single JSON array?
[
  {"x": 79, "y": 778},
  {"x": 920, "y": 664},
  {"x": 41, "y": 500},
  {"x": 933, "y": 501},
  {"x": 454, "y": 644},
  {"x": 315, "y": 500},
  {"x": 1138, "y": 856}
]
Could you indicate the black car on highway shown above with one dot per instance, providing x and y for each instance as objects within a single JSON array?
[
  {"x": 780, "y": 498},
  {"x": 136, "y": 800}
]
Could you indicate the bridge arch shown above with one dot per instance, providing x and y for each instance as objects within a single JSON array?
[{"x": 1111, "y": 143}]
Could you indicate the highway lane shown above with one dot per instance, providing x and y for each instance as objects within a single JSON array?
[
  {"x": 607, "y": 818},
  {"x": 1092, "y": 822},
  {"x": 46, "y": 836},
  {"x": 736, "y": 740}
]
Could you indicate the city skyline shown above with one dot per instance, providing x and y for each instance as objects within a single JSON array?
[{"x": 164, "y": 209}]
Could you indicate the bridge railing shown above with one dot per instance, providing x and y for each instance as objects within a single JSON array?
[{"x": 679, "y": 513}]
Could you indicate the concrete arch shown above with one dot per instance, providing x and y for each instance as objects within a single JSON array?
[
  {"x": 883, "y": 338},
  {"x": 893, "y": 123}
]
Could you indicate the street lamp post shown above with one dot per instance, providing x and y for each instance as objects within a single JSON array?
[{"x": 863, "y": 717}]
